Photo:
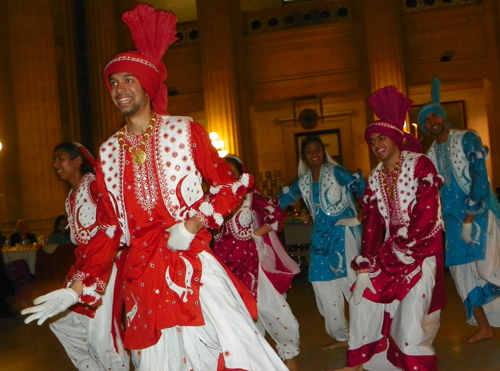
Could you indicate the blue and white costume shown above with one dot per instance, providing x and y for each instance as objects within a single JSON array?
[
  {"x": 475, "y": 266},
  {"x": 332, "y": 246}
]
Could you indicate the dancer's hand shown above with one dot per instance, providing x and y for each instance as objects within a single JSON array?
[
  {"x": 180, "y": 238},
  {"x": 259, "y": 241},
  {"x": 49, "y": 305},
  {"x": 363, "y": 282},
  {"x": 404, "y": 257},
  {"x": 467, "y": 232},
  {"x": 348, "y": 222}
]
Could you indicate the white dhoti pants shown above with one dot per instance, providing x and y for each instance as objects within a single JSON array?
[
  {"x": 276, "y": 317},
  {"x": 412, "y": 329},
  {"x": 229, "y": 333},
  {"x": 330, "y": 294},
  {"x": 479, "y": 281}
]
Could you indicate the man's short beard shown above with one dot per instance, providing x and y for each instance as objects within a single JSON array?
[{"x": 132, "y": 111}]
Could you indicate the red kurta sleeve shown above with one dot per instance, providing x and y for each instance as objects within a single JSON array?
[
  {"x": 94, "y": 261},
  {"x": 373, "y": 234},
  {"x": 225, "y": 193},
  {"x": 269, "y": 211}
]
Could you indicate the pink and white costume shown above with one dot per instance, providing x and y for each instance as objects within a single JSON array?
[
  {"x": 402, "y": 318},
  {"x": 266, "y": 270},
  {"x": 86, "y": 333},
  {"x": 183, "y": 310}
]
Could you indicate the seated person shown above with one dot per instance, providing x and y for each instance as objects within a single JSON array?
[
  {"x": 60, "y": 235},
  {"x": 22, "y": 234}
]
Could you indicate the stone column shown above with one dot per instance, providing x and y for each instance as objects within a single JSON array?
[
  {"x": 38, "y": 126},
  {"x": 101, "y": 46},
  {"x": 218, "y": 36},
  {"x": 384, "y": 50},
  {"x": 10, "y": 194},
  {"x": 384, "y": 44}
]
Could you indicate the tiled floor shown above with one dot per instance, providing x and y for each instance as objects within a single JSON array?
[{"x": 34, "y": 348}]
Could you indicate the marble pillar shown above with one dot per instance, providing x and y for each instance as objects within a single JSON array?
[
  {"x": 102, "y": 47},
  {"x": 10, "y": 195},
  {"x": 384, "y": 45},
  {"x": 36, "y": 95},
  {"x": 217, "y": 35}
]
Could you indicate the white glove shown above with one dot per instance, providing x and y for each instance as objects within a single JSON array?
[
  {"x": 180, "y": 238},
  {"x": 363, "y": 282},
  {"x": 49, "y": 305},
  {"x": 348, "y": 222},
  {"x": 467, "y": 232},
  {"x": 404, "y": 257},
  {"x": 259, "y": 241}
]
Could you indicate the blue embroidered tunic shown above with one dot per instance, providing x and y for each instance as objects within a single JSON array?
[
  {"x": 461, "y": 160},
  {"x": 329, "y": 200}
]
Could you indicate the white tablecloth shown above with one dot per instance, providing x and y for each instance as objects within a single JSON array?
[{"x": 15, "y": 253}]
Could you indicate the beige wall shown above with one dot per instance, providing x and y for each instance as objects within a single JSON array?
[{"x": 330, "y": 61}]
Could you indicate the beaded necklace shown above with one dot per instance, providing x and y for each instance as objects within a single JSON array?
[
  {"x": 389, "y": 180},
  {"x": 139, "y": 153}
]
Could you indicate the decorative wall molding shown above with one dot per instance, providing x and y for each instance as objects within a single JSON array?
[
  {"x": 187, "y": 32},
  {"x": 299, "y": 15},
  {"x": 423, "y": 5}
]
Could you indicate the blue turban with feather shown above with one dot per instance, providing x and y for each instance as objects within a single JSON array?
[{"x": 433, "y": 107}]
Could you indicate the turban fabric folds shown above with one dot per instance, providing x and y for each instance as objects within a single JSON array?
[
  {"x": 391, "y": 107},
  {"x": 152, "y": 33}
]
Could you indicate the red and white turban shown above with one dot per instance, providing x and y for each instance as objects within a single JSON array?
[
  {"x": 152, "y": 33},
  {"x": 391, "y": 107}
]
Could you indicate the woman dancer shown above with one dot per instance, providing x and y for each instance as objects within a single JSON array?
[
  {"x": 247, "y": 243},
  {"x": 91, "y": 337},
  {"x": 327, "y": 189}
]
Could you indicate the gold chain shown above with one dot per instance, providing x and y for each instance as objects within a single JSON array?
[
  {"x": 139, "y": 153},
  {"x": 389, "y": 181}
]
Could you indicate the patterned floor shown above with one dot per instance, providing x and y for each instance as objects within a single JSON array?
[{"x": 34, "y": 348}]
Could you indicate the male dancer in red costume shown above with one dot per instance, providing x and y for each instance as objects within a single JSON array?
[
  {"x": 183, "y": 311},
  {"x": 393, "y": 323}
]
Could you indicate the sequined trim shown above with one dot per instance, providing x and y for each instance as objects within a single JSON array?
[
  {"x": 386, "y": 125},
  {"x": 131, "y": 59}
]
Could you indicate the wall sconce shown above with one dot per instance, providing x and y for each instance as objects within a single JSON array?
[
  {"x": 217, "y": 143},
  {"x": 0, "y": 146},
  {"x": 412, "y": 129}
]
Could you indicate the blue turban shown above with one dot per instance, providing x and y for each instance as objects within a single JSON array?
[{"x": 433, "y": 107}]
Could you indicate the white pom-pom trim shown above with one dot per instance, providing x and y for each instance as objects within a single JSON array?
[
  {"x": 245, "y": 179},
  {"x": 206, "y": 208},
  {"x": 110, "y": 231},
  {"x": 403, "y": 232},
  {"x": 361, "y": 259},
  {"x": 215, "y": 190},
  {"x": 218, "y": 218}
]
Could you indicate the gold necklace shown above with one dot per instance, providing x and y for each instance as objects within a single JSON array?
[
  {"x": 389, "y": 181},
  {"x": 138, "y": 154}
]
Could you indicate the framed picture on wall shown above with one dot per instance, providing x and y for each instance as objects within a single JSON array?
[
  {"x": 455, "y": 116},
  {"x": 330, "y": 138}
]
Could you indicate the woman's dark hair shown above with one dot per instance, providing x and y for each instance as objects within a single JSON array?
[
  {"x": 312, "y": 139},
  {"x": 57, "y": 221},
  {"x": 235, "y": 163},
  {"x": 72, "y": 150}
]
